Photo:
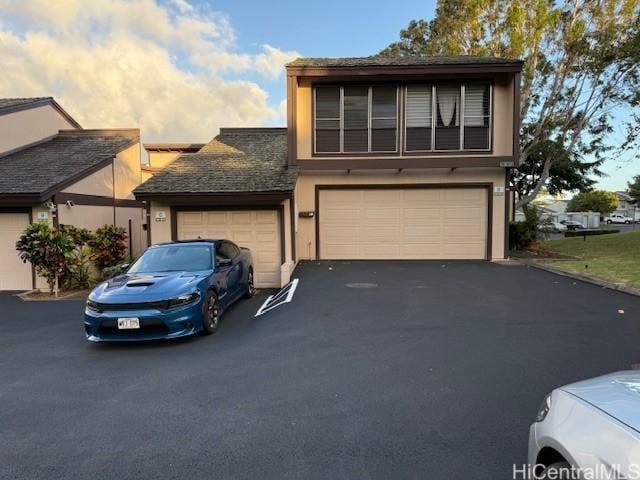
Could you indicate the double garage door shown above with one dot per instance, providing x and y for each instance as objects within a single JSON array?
[
  {"x": 14, "y": 273},
  {"x": 403, "y": 223},
  {"x": 258, "y": 230}
]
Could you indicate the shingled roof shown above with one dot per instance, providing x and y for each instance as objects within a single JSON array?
[
  {"x": 14, "y": 102},
  {"x": 39, "y": 170},
  {"x": 239, "y": 160},
  {"x": 401, "y": 61}
]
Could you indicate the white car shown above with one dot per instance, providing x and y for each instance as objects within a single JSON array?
[
  {"x": 589, "y": 429},
  {"x": 617, "y": 218}
]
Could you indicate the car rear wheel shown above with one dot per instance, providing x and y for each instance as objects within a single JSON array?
[
  {"x": 251, "y": 288},
  {"x": 557, "y": 471},
  {"x": 210, "y": 314},
  {"x": 609, "y": 222}
]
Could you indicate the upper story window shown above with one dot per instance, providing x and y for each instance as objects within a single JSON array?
[
  {"x": 356, "y": 119},
  {"x": 447, "y": 117}
]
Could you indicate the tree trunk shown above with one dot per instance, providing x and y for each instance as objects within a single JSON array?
[{"x": 527, "y": 199}]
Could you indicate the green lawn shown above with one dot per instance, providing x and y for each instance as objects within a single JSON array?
[{"x": 613, "y": 257}]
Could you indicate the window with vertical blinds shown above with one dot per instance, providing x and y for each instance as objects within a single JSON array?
[
  {"x": 356, "y": 119},
  {"x": 476, "y": 117},
  {"x": 435, "y": 120},
  {"x": 437, "y": 117}
]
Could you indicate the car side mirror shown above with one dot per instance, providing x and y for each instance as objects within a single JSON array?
[
  {"x": 124, "y": 266},
  {"x": 224, "y": 262}
]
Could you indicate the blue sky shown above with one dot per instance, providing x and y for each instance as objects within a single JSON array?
[{"x": 180, "y": 69}]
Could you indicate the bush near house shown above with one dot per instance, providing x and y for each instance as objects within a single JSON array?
[
  {"x": 109, "y": 246},
  {"x": 523, "y": 234},
  {"x": 48, "y": 250},
  {"x": 65, "y": 256}
]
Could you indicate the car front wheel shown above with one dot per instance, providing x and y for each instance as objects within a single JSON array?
[
  {"x": 210, "y": 314},
  {"x": 251, "y": 288},
  {"x": 557, "y": 471},
  {"x": 609, "y": 222}
]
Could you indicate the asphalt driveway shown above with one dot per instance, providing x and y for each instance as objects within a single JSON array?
[{"x": 376, "y": 370}]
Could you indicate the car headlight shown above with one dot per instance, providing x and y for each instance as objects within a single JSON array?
[
  {"x": 544, "y": 409},
  {"x": 183, "y": 300},
  {"x": 93, "y": 306}
]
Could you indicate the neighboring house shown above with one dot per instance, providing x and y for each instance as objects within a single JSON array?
[
  {"x": 62, "y": 175},
  {"x": 626, "y": 206},
  {"x": 162, "y": 154},
  {"x": 557, "y": 206},
  {"x": 382, "y": 158}
]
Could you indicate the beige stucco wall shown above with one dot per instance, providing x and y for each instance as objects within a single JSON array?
[
  {"x": 99, "y": 183},
  {"x": 128, "y": 174},
  {"x": 502, "y": 117},
  {"x": 28, "y": 126},
  {"x": 305, "y": 197},
  {"x": 137, "y": 234},
  {"x": 160, "y": 231},
  {"x": 162, "y": 159},
  {"x": 85, "y": 216}
]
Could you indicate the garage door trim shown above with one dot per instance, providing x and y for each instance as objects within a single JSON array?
[
  {"x": 488, "y": 186},
  {"x": 29, "y": 211},
  {"x": 209, "y": 208}
]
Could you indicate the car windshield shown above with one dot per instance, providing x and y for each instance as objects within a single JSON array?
[{"x": 174, "y": 258}]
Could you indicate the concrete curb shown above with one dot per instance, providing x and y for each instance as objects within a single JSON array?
[
  {"x": 620, "y": 287},
  {"x": 24, "y": 296}
]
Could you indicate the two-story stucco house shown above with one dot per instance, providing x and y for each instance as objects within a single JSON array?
[
  {"x": 382, "y": 158},
  {"x": 54, "y": 171}
]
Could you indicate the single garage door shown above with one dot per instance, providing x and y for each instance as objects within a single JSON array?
[
  {"x": 14, "y": 273},
  {"x": 403, "y": 223},
  {"x": 258, "y": 230}
]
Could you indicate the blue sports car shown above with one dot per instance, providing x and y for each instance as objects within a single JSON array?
[{"x": 173, "y": 290}]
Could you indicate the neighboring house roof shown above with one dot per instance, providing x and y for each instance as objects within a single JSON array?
[
  {"x": 173, "y": 147},
  {"x": 37, "y": 172},
  {"x": 10, "y": 105},
  {"x": 559, "y": 206},
  {"x": 401, "y": 61},
  {"x": 239, "y": 160},
  {"x": 624, "y": 196}
]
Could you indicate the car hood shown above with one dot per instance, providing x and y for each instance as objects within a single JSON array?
[
  {"x": 617, "y": 394},
  {"x": 147, "y": 287}
]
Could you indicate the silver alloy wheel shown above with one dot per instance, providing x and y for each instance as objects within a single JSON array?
[{"x": 212, "y": 313}]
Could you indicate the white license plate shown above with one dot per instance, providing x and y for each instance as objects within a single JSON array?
[{"x": 128, "y": 323}]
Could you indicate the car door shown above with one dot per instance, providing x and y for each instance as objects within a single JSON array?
[
  {"x": 236, "y": 275},
  {"x": 223, "y": 267},
  {"x": 230, "y": 254}
]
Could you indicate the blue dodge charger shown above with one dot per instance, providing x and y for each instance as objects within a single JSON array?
[{"x": 173, "y": 290}]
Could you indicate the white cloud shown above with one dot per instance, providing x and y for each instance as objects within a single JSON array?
[{"x": 117, "y": 63}]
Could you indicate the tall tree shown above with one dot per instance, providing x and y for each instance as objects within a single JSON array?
[{"x": 581, "y": 61}]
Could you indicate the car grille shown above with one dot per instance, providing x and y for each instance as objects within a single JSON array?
[
  {"x": 147, "y": 326},
  {"x": 118, "y": 307}
]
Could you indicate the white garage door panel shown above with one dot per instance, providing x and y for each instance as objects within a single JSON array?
[
  {"x": 14, "y": 273},
  {"x": 258, "y": 230},
  {"x": 434, "y": 223}
]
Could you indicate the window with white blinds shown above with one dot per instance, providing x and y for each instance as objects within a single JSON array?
[
  {"x": 447, "y": 117},
  {"x": 356, "y": 119}
]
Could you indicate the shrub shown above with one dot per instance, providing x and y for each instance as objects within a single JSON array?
[
  {"x": 109, "y": 246},
  {"x": 589, "y": 233},
  {"x": 523, "y": 234},
  {"x": 80, "y": 236},
  {"x": 80, "y": 265},
  {"x": 47, "y": 249}
]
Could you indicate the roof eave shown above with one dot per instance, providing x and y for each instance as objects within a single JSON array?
[{"x": 449, "y": 69}]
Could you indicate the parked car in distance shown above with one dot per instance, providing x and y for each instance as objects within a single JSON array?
[
  {"x": 173, "y": 290},
  {"x": 589, "y": 426},
  {"x": 556, "y": 227},
  {"x": 572, "y": 225},
  {"x": 617, "y": 218}
]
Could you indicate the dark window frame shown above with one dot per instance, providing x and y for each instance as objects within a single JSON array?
[
  {"x": 341, "y": 151},
  {"x": 461, "y": 114}
]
